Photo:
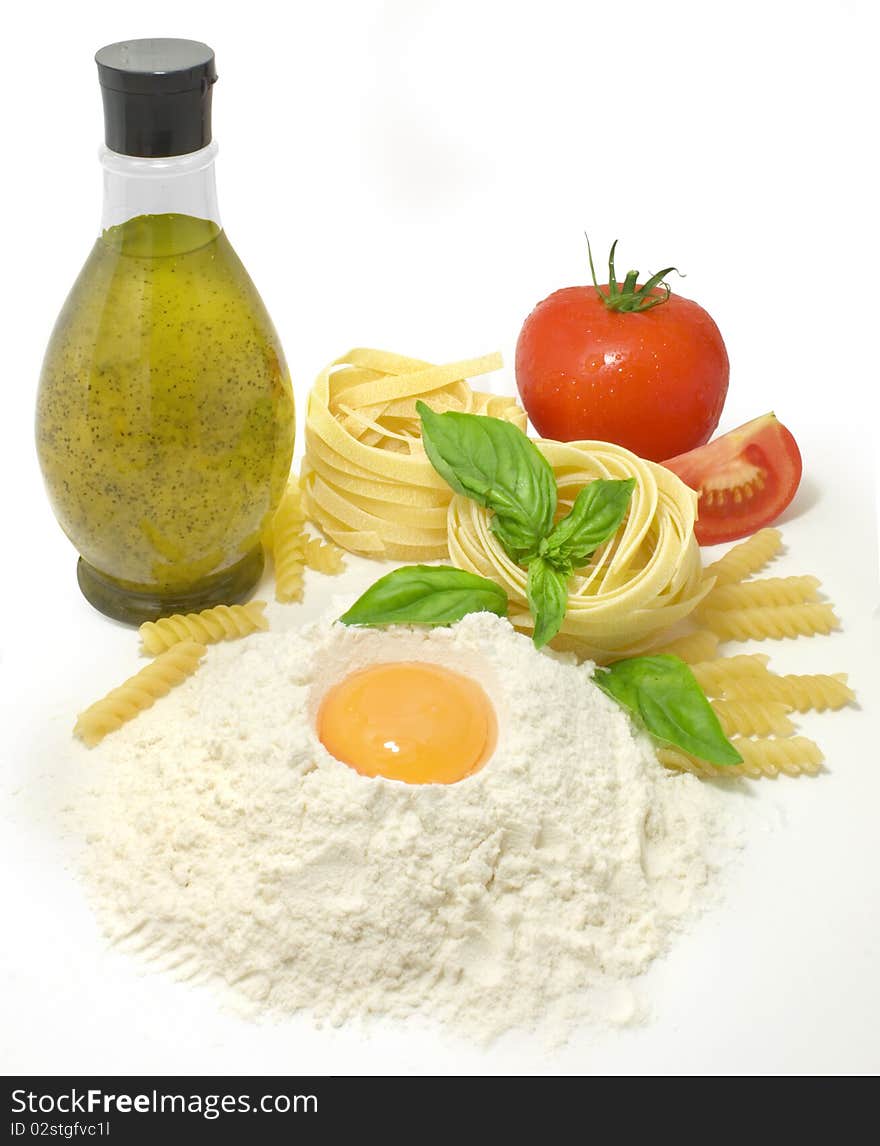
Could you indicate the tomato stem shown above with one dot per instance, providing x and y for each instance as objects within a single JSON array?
[{"x": 630, "y": 297}]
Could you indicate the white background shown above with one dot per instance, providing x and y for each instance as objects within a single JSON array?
[{"x": 417, "y": 176}]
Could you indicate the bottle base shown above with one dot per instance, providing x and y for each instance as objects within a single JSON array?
[{"x": 133, "y": 608}]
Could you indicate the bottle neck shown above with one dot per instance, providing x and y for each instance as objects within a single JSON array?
[{"x": 174, "y": 185}]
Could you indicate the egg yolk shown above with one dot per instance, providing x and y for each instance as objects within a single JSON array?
[{"x": 408, "y": 721}]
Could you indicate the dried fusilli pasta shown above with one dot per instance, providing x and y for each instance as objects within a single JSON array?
[
  {"x": 292, "y": 500},
  {"x": 773, "y": 622},
  {"x": 700, "y": 645},
  {"x": 138, "y": 692},
  {"x": 751, "y": 702},
  {"x": 288, "y": 546},
  {"x": 323, "y": 556},
  {"x": 815, "y": 691},
  {"x": 746, "y": 558},
  {"x": 290, "y": 574},
  {"x": 290, "y": 513},
  {"x": 222, "y": 623},
  {"x": 682, "y": 762},
  {"x": 794, "y": 756},
  {"x": 762, "y": 592},
  {"x": 717, "y": 677},
  {"x": 753, "y": 716}
]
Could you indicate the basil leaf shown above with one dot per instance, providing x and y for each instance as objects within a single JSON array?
[
  {"x": 426, "y": 595},
  {"x": 662, "y": 692},
  {"x": 595, "y": 517},
  {"x": 517, "y": 540},
  {"x": 493, "y": 463},
  {"x": 547, "y": 593}
]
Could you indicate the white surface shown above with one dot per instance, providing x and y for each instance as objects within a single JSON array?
[{"x": 416, "y": 177}]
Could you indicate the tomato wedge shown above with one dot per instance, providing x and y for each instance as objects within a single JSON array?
[{"x": 745, "y": 479}]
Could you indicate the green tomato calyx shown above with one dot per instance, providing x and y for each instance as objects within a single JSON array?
[{"x": 629, "y": 296}]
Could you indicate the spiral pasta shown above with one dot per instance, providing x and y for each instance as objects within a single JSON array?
[
  {"x": 773, "y": 622},
  {"x": 751, "y": 702},
  {"x": 323, "y": 556},
  {"x": 288, "y": 546},
  {"x": 753, "y": 716},
  {"x": 222, "y": 623},
  {"x": 678, "y": 761},
  {"x": 812, "y": 692},
  {"x": 700, "y": 645},
  {"x": 290, "y": 508},
  {"x": 290, "y": 575},
  {"x": 290, "y": 513},
  {"x": 793, "y": 756},
  {"x": 747, "y": 557},
  {"x": 139, "y": 692},
  {"x": 817, "y": 691},
  {"x": 641, "y": 582},
  {"x": 718, "y": 677},
  {"x": 367, "y": 481},
  {"x": 760, "y": 593}
]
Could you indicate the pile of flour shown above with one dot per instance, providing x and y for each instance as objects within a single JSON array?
[{"x": 225, "y": 841}]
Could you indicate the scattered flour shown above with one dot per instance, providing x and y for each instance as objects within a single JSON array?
[{"x": 223, "y": 839}]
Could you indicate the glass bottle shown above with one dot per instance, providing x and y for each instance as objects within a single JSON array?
[{"x": 165, "y": 416}]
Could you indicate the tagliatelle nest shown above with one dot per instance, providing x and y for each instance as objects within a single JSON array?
[
  {"x": 640, "y": 583},
  {"x": 366, "y": 479}
]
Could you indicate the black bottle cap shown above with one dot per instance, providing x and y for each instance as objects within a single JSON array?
[{"x": 157, "y": 96}]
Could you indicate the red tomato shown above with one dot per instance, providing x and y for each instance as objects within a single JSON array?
[
  {"x": 653, "y": 380},
  {"x": 745, "y": 479}
]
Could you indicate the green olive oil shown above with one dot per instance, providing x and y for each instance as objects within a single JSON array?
[{"x": 165, "y": 419}]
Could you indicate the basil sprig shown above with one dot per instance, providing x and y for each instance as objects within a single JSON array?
[
  {"x": 662, "y": 693},
  {"x": 495, "y": 464},
  {"x": 596, "y": 515},
  {"x": 426, "y": 595}
]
